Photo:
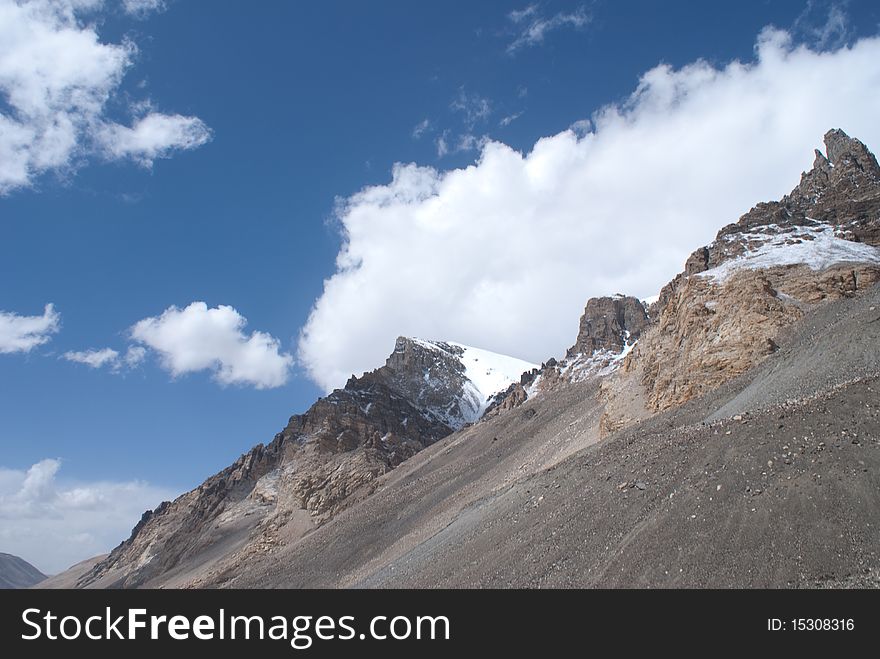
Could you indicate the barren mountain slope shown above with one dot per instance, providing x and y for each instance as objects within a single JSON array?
[
  {"x": 783, "y": 496},
  {"x": 779, "y": 310},
  {"x": 323, "y": 461}
]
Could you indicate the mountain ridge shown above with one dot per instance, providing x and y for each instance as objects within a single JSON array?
[
  {"x": 15, "y": 572},
  {"x": 719, "y": 332},
  {"x": 321, "y": 462}
]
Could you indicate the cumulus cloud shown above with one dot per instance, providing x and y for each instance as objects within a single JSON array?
[
  {"x": 531, "y": 27},
  {"x": 197, "y": 338},
  {"x": 55, "y": 524},
  {"x": 24, "y": 333},
  {"x": 56, "y": 79},
  {"x": 504, "y": 253}
]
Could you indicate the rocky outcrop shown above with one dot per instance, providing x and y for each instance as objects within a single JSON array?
[
  {"x": 609, "y": 323},
  {"x": 320, "y": 463},
  {"x": 720, "y": 316},
  {"x": 608, "y": 330}
]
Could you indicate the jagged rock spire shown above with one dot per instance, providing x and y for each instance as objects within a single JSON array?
[{"x": 609, "y": 323}]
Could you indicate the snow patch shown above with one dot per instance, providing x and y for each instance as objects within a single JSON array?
[
  {"x": 532, "y": 389},
  {"x": 817, "y": 247},
  {"x": 488, "y": 373},
  {"x": 581, "y": 367}
]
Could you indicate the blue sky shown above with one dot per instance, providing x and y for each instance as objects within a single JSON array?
[{"x": 299, "y": 106}]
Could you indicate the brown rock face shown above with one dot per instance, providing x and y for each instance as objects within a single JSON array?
[
  {"x": 609, "y": 323},
  {"x": 712, "y": 329},
  {"x": 319, "y": 464},
  {"x": 608, "y": 328}
]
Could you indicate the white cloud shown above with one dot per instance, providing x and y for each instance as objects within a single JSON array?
[
  {"x": 142, "y": 8},
  {"x": 446, "y": 144},
  {"x": 154, "y": 136},
  {"x": 473, "y": 107},
  {"x": 109, "y": 357},
  {"x": 532, "y": 28},
  {"x": 509, "y": 119},
  {"x": 503, "y": 254},
  {"x": 23, "y": 333},
  {"x": 442, "y": 144},
  {"x": 197, "y": 338},
  {"x": 519, "y": 15},
  {"x": 470, "y": 142},
  {"x": 54, "y": 525},
  {"x": 134, "y": 356},
  {"x": 56, "y": 78},
  {"x": 581, "y": 127},
  {"x": 826, "y": 26},
  {"x": 93, "y": 358},
  {"x": 420, "y": 128}
]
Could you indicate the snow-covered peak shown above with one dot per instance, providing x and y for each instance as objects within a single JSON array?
[
  {"x": 489, "y": 372},
  {"x": 472, "y": 375}
]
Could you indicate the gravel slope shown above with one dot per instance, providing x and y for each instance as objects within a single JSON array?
[{"x": 769, "y": 481}]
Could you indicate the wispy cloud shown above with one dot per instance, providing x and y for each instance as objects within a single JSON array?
[
  {"x": 446, "y": 144},
  {"x": 420, "y": 128},
  {"x": 442, "y": 144},
  {"x": 520, "y": 15},
  {"x": 108, "y": 357},
  {"x": 473, "y": 110},
  {"x": 531, "y": 27},
  {"x": 142, "y": 8},
  {"x": 24, "y": 333},
  {"x": 824, "y": 24},
  {"x": 509, "y": 119},
  {"x": 473, "y": 107},
  {"x": 93, "y": 358}
]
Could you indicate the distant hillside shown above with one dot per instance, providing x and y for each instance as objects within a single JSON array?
[{"x": 18, "y": 573}]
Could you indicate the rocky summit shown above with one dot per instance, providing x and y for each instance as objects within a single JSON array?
[
  {"x": 723, "y": 314},
  {"x": 610, "y": 324},
  {"x": 726, "y": 435},
  {"x": 322, "y": 462}
]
